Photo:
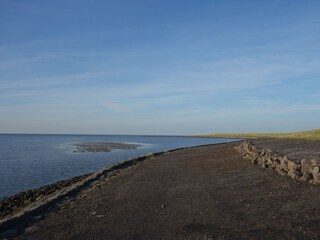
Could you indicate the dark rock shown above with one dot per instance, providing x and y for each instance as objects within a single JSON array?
[{"x": 305, "y": 166}]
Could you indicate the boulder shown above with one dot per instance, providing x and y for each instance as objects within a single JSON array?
[
  {"x": 271, "y": 164},
  {"x": 264, "y": 165},
  {"x": 305, "y": 167},
  {"x": 254, "y": 148},
  {"x": 268, "y": 154},
  {"x": 305, "y": 177},
  {"x": 316, "y": 179},
  {"x": 284, "y": 165},
  {"x": 281, "y": 172},
  {"x": 314, "y": 163},
  {"x": 246, "y": 156},
  {"x": 283, "y": 159},
  {"x": 254, "y": 157},
  {"x": 246, "y": 146},
  {"x": 295, "y": 175},
  {"x": 315, "y": 172},
  {"x": 263, "y": 162},
  {"x": 262, "y": 152},
  {"x": 254, "y": 160},
  {"x": 293, "y": 165}
]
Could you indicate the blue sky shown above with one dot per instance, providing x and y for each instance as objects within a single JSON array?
[{"x": 159, "y": 67}]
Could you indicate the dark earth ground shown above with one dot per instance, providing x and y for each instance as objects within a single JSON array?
[{"x": 200, "y": 193}]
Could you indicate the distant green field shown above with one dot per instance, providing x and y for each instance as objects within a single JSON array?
[{"x": 309, "y": 135}]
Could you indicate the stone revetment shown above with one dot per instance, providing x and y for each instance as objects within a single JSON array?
[{"x": 303, "y": 170}]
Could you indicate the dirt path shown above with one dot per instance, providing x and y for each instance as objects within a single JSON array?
[{"x": 200, "y": 193}]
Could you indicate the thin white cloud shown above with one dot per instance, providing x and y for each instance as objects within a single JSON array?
[
  {"x": 215, "y": 78},
  {"x": 46, "y": 82}
]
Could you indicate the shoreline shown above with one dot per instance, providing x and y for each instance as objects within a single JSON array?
[
  {"x": 201, "y": 193},
  {"x": 40, "y": 160},
  {"x": 195, "y": 193},
  {"x": 22, "y": 205}
]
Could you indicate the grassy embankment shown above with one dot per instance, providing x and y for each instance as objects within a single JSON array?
[{"x": 309, "y": 135}]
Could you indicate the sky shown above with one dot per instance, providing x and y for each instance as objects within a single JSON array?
[{"x": 159, "y": 67}]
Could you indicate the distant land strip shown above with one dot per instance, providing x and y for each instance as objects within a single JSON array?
[{"x": 307, "y": 135}]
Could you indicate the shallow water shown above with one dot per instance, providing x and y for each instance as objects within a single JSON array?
[{"x": 30, "y": 161}]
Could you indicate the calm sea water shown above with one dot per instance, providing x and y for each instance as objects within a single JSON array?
[{"x": 31, "y": 161}]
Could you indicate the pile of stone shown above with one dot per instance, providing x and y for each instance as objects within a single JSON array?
[{"x": 303, "y": 170}]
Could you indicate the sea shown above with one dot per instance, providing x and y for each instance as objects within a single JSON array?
[{"x": 28, "y": 161}]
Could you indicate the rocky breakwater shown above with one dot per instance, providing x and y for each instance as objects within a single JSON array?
[{"x": 301, "y": 170}]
